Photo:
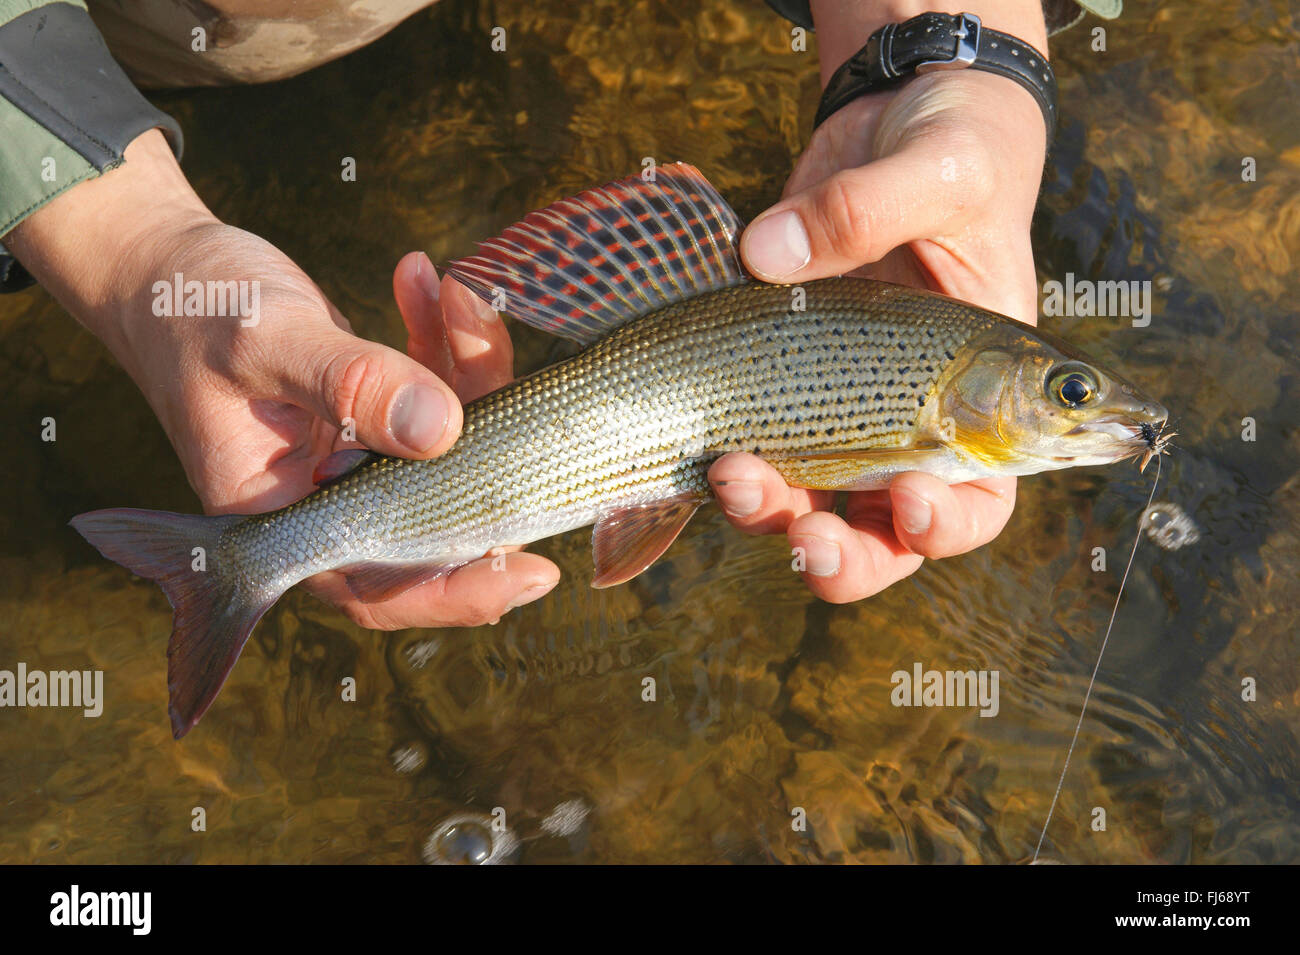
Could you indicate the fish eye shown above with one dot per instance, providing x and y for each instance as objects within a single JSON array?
[{"x": 1072, "y": 386}]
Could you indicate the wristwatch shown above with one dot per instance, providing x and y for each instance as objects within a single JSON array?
[{"x": 939, "y": 41}]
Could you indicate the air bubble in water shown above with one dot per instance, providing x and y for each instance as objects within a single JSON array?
[
  {"x": 469, "y": 839},
  {"x": 1169, "y": 526},
  {"x": 409, "y": 758},
  {"x": 566, "y": 818}
]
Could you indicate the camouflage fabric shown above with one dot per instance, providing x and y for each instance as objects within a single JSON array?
[{"x": 163, "y": 43}]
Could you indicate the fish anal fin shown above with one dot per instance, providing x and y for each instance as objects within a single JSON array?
[
  {"x": 849, "y": 470},
  {"x": 377, "y": 581},
  {"x": 628, "y": 540}
]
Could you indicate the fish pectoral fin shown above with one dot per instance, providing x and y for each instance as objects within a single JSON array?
[
  {"x": 339, "y": 465},
  {"x": 376, "y": 581},
  {"x": 848, "y": 470},
  {"x": 628, "y": 540}
]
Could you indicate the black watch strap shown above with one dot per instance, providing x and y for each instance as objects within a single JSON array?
[{"x": 939, "y": 41}]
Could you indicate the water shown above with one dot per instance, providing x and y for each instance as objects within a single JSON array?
[{"x": 767, "y": 700}]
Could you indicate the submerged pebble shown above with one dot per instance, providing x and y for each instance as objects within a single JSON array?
[{"x": 1169, "y": 526}]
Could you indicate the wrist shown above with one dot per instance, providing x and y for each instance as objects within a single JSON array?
[
  {"x": 95, "y": 246},
  {"x": 843, "y": 26}
]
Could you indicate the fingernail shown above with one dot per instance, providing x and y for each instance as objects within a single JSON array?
[
  {"x": 821, "y": 557},
  {"x": 740, "y": 498},
  {"x": 483, "y": 310},
  {"x": 418, "y": 418},
  {"x": 914, "y": 512},
  {"x": 465, "y": 335},
  {"x": 426, "y": 276},
  {"x": 778, "y": 246},
  {"x": 529, "y": 595}
]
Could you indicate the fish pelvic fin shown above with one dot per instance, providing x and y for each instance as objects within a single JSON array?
[
  {"x": 212, "y": 615},
  {"x": 375, "y": 581},
  {"x": 628, "y": 540},
  {"x": 586, "y": 265}
]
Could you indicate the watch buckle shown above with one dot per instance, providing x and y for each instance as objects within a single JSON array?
[{"x": 968, "y": 47}]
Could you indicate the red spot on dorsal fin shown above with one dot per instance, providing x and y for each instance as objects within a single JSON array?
[{"x": 560, "y": 269}]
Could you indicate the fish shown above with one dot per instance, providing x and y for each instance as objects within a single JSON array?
[{"x": 841, "y": 383}]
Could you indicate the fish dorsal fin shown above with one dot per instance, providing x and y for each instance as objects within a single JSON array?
[
  {"x": 586, "y": 265},
  {"x": 628, "y": 540}
]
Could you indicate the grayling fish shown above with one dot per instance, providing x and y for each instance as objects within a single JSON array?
[{"x": 685, "y": 359}]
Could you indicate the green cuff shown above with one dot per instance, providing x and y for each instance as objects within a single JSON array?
[
  {"x": 35, "y": 166},
  {"x": 67, "y": 111}
]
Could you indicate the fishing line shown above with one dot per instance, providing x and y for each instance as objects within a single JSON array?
[{"x": 1088, "y": 695}]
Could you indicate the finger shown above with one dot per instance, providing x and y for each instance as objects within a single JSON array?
[
  {"x": 451, "y": 330},
  {"x": 935, "y": 520},
  {"x": 416, "y": 290},
  {"x": 990, "y": 264},
  {"x": 394, "y": 404},
  {"x": 480, "y": 344},
  {"x": 478, "y": 593},
  {"x": 842, "y": 563},
  {"x": 857, "y": 216},
  {"x": 755, "y": 498}
]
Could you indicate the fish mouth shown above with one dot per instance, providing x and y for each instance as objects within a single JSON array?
[{"x": 1142, "y": 438}]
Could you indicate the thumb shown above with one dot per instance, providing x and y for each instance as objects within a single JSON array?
[
  {"x": 854, "y": 217},
  {"x": 395, "y": 404}
]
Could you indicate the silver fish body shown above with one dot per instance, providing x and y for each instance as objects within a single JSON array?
[
  {"x": 634, "y": 419},
  {"x": 839, "y": 384}
]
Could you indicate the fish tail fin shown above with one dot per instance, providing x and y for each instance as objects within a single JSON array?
[{"x": 212, "y": 614}]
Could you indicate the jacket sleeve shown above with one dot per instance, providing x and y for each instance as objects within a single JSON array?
[{"x": 67, "y": 111}]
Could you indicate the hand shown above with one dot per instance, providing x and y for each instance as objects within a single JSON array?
[
  {"x": 251, "y": 410},
  {"x": 267, "y": 404},
  {"x": 931, "y": 186}
]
